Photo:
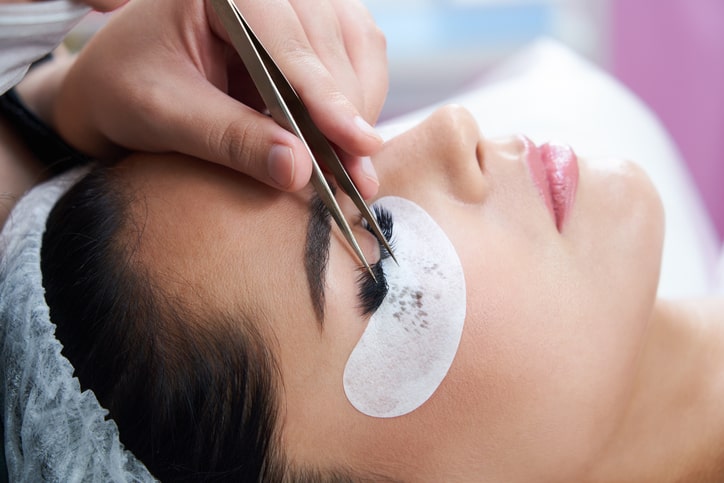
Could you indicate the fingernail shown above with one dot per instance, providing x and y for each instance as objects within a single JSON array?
[
  {"x": 369, "y": 170},
  {"x": 366, "y": 128},
  {"x": 281, "y": 165}
]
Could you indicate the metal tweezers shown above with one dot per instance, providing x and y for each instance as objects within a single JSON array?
[{"x": 287, "y": 109}]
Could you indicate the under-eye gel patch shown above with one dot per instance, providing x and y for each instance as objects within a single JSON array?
[{"x": 411, "y": 340}]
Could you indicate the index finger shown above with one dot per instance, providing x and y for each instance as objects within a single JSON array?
[
  {"x": 366, "y": 48},
  {"x": 288, "y": 44}
]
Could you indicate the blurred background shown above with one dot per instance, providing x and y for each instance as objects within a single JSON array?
[
  {"x": 669, "y": 52},
  {"x": 439, "y": 46}
]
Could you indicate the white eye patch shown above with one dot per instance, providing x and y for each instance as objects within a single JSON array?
[{"x": 411, "y": 340}]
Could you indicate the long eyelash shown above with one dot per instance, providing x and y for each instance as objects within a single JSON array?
[{"x": 371, "y": 292}]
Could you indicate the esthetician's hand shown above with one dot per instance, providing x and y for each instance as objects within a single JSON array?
[{"x": 161, "y": 76}]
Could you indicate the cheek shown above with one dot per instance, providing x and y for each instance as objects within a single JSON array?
[
  {"x": 553, "y": 330},
  {"x": 618, "y": 228}
]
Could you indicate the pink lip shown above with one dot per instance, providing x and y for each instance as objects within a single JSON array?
[{"x": 554, "y": 168}]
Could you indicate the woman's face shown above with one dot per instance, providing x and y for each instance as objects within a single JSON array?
[{"x": 554, "y": 322}]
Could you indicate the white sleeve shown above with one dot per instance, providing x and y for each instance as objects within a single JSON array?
[{"x": 28, "y": 31}]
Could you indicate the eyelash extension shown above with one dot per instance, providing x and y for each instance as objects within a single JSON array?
[{"x": 372, "y": 293}]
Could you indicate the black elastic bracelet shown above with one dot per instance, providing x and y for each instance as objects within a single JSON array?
[{"x": 45, "y": 144}]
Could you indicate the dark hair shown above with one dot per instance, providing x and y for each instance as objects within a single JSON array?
[{"x": 193, "y": 395}]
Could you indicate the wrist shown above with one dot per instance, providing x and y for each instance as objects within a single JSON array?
[
  {"x": 40, "y": 140},
  {"x": 41, "y": 86}
]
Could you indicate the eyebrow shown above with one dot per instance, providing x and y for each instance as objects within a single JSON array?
[{"x": 316, "y": 253}]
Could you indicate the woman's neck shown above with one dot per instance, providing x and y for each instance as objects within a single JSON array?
[{"x": 674, "y": 428}]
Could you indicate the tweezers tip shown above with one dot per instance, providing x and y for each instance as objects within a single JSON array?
[
  {"x": 395, "y": 259},
  {"x": 369, "y": 270},
  {"x": 388, "y": 248}
]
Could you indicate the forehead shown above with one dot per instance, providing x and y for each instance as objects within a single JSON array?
[{"x": 210, "y": 233}]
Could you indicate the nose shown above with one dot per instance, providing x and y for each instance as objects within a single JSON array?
[{"x": 442, "y": 155}]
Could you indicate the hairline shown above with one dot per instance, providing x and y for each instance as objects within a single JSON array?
[{"x": 128, "y": 243}]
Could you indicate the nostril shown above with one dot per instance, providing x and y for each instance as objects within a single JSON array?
[{"x": 480, "y": 154}]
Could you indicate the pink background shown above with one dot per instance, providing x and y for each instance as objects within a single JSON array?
[{"x": 671, "y": 53}]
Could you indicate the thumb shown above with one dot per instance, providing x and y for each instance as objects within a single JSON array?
[{"x": 215, "y": 127}]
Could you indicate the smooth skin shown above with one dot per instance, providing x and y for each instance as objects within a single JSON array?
[{"x": 569, "y": 369}]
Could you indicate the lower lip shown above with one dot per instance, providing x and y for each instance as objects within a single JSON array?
[{"x": 554, "y": 169}]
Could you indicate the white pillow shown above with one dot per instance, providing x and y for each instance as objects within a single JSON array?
[{"x": 550, "y": 93}]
